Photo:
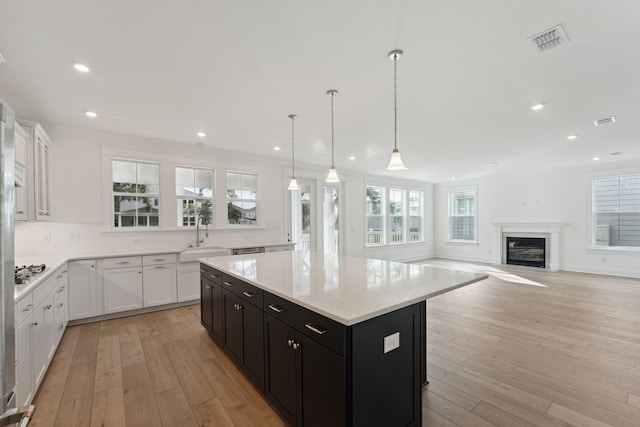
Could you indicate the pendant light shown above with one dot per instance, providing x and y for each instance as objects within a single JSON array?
[
  {"x": 333, "y": 173},
  {"x": 293, "y": 185},
  {"x": 395, "y": 164}
]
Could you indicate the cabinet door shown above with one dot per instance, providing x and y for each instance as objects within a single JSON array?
[
  {"x": 83, "y": 286},
  {"x": 24, "y": 378},
  {"x": 189, "y": 283},
  {"x": 41, "y": 163},
  {"x": 253, "y": 341},
  {"x": 233, "y": 325},
  {"x": 280, "y": 367},
  {"x": 322, "y": 385},
  {"x": 206, "y": 312},
  {"x": 217, "y": 309},
  {"x": 43, "y": 339},
  {"x": 122, "y": 289},
  {"x": 159, "y": 283}
]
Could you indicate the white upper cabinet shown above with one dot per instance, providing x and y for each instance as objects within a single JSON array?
[
  {"x": 37, "y": 153},
  {"x": 21, "y": 173}
]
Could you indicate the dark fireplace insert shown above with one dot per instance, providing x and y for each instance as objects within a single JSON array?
[{"x": 529, "y": 251}]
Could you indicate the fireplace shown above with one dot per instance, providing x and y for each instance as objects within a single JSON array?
[{"x": 529, "y": 251}]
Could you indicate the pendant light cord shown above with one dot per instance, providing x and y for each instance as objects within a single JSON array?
[
  {"x": 395, "y": 101},
  {"x": 332, "y": 145},
  {"x": 293, "y": 148}
]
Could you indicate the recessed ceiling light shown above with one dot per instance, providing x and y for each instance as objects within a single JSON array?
[
  {"x": 572, "y": 137},
  {"x": 596, "y": 158},
  {"x": 352, "y": 158},
  {"x": 537, "y": 107},
  {"x": 81, "y": 67},
  {"x": 453, "y": 177},
  {"x": 202, "y": 134},
  {"x": 91, "y": 114},
  {"x": 276, "y": 148}
]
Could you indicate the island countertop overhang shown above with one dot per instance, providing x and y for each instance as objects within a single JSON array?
[{"x": 346, "y": 289}]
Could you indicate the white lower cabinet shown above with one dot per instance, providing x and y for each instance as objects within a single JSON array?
[
  {"x": 41, "y": 319},
  {"x": 189, "y": 281},
  {"x": 159, "y": 284},
  {"x": 83, "y": 290},
  {"x": 122, "y": 285}
]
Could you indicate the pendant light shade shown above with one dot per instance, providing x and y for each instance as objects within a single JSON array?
[
  {"x": 293, "y": 184},
  {"x": 333, "y": 173},
  {"x": 395, "y": 163}
]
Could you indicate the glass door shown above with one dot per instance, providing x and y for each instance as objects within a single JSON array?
[
  {"x": 331, "y": 220},
  {"x": 301, "y": 216}
]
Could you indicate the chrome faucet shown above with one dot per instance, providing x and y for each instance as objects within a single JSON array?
[{"x": 198, "y": 221}]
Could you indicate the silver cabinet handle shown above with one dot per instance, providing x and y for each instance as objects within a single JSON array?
[
  {"x": 248, "y": 294},
  {"x": 228, "y": 284},
  {"x": 60, "y": 290},
  {"x": 48, "y": 307},
  {"x": 59, "y": 277},
  {"x": 160, "y": 259},
  {"x": 207, "y": 286},
  {"x": 202, "y": 270},
  {"x": 60, "y": 326},
  {"x": 123, "y": 262},
  {"x": 20, "y": 212},
  {"x": 16, "y": 363},
  {"x": 290, "y": 342},
  {"x": 276, "y": 308},
  {"x": 64, "y": 271},
  {"x": 214, "y": 276},
  {"x": 295, "y": 345},
  {"x": 34, "y": 324},
  {"x": 159, "y": 267},
  {"x": 59, "y": 305},
  {"x": 238, "y": 306},
  {"x": 28, "y": 307},
  {"x": 315, "y": 329}
]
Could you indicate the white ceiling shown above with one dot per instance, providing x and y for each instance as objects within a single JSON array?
[{"x": 236, "y": 69}]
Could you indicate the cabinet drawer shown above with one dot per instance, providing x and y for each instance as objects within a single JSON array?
[
  {"x": 322, "y": 329},
  {"x": 127, "y": 261},
  {"x": 244, "y": 290},
  {"x": 159, "y": 259},
  {"x": 211, "y": 273},
  {"x": 24, "y": 308}
]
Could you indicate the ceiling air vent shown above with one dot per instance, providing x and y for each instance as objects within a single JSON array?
[
  {"x": 604, "y": 121},
  {"x": 549, "y": 39}
]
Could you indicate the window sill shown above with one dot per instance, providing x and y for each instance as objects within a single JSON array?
[
  {"x": 462, "y": 242},
  {"x": 190, "y": 229},
  {"x": 394, "y": 245},
  {"x": 629, "y": 249}
]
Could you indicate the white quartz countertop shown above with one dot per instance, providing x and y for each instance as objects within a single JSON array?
[{"x": 346, "y": 289}]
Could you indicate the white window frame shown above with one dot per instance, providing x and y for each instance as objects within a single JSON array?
[
  {"x": 450, "y": 195},
  {"x": 386, "y": 239},
  {"x": 256, "y": 200},
  {"x": 594, "y": 222},
  {"x": 113, "y": 194},
  {"x": 197, "y": 199}
]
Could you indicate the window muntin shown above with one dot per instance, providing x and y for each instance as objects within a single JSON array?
[
  {"x": 393, "y": 216},
  {"x": 462, "y": 216},
  {"x": 242, "y": 197},
  {"x": 194, "y": 194},
  {"x": 616, "y": 211},
  {"x": 375, "y": 216},
  {"x": 135, "y": 190}
]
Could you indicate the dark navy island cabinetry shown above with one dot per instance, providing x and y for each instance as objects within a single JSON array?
[{"x": 314, "y": 370}]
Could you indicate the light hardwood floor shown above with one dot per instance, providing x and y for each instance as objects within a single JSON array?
[{"x": 525, "y": 347}]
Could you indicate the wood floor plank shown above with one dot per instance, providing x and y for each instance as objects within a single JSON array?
[
  {"x": 498, "y": 417},
  {"x": 212, "y": 413},
  {"x": 195, "y": 386},
  {"x": 50, "y": 394},
  {"x": 108, "y": 408},
  {"x": 163, "y": 376},
  {"x": 574, "y": 418},
  {"x": 67, "y": 346},
  {"x": 86, "y": 349},
  {"x": 77, "y": 398},
  {"x": 140, "y": 405},
  {"x": 130, "y": 345},
  {"x": 109, "y": 365},
  {"x": 175, "y": 409}
]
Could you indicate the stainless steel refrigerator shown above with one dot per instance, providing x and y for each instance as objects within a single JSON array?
[{"x": 9, "y": 415}]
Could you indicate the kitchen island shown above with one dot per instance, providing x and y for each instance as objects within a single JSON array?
[{"x": 330, "y": 340}]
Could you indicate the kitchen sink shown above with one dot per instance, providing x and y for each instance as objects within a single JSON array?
[{"x": 192, "y": 254}]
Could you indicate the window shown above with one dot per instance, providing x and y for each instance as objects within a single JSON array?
[
  {"x": 194, "y": 194},
  {"x": 415, "y": 216},
  {"x": 135, "y": 194},
  {"x": 242, "y": 192},
  {"x": 392, "y": 217},
  {"x": 375, "y": 216},
  {"x": 396, "y": 215},
  {"x": 616, "y": 211},
  {"x": 462, "y": 216}
]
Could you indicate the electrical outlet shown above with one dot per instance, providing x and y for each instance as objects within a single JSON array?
[
  {"x": 46, "y": 237},
  {"x": 74, "y": 237},
  {"x": 136, "y": 242},
  {"x": 391, "y": 342}
]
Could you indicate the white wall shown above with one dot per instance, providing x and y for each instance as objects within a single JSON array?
[
  {"x": 80, "y": 207},
  {"x": 549, "y": 196}
]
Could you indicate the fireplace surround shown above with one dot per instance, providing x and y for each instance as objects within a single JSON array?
[{"x": 547, "y": 230}]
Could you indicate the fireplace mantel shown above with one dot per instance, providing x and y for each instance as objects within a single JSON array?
[{"x": 552, "y": 229}]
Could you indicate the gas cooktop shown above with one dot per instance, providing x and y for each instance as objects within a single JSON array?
[{"x": 26, "y": 273}]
